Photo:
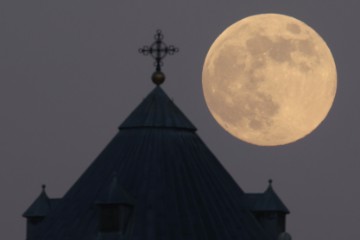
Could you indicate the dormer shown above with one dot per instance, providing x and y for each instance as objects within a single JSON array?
[{"x": 115, "y": 212}]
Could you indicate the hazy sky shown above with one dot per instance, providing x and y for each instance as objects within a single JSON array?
[{"x": 70, "y": 73}]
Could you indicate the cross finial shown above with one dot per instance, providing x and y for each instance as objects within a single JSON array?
[{"x": 158, "y": 50}]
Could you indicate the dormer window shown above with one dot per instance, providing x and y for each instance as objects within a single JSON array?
[
  {"x": 114, "y": 217},
  {"x": 115, "y": 209},
  {"x": 109, "y": 220}
]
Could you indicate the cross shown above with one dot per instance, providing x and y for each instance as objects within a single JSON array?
[{"x": 158, "y": 50}]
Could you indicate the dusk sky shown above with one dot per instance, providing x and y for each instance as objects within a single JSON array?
[{"x": 70, "y": 73}]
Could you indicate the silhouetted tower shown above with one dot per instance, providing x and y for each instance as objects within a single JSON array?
[
  {"x": 271, "y": 212},
  {"x": 37, "y": 212},
  {"x": 168, "y": 185}
]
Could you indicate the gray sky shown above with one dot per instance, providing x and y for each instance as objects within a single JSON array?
[{"x": 70, "y": 74}]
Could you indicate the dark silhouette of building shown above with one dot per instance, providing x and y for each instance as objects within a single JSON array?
[{"x": 157, "y": 180}]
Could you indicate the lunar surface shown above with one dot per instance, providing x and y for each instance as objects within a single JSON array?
[{"x": 269, "y": 79}]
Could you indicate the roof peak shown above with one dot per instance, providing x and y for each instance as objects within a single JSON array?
[
  {"x": 268, "y": 201},
  {"x": 271, "y": 201},
  {"x": 40, "y": 207},
  {"x": 157, "y": 110}
]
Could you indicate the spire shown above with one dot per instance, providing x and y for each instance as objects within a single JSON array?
[
  {"x": 158, "y": 50},
  {"x": 181, "y": 189},
  {"x": 40, "y": 207}
]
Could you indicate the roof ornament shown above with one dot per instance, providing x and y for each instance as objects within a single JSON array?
[
  {"x": 270, "y": 182},
  {"x": 158, "y": 50}
]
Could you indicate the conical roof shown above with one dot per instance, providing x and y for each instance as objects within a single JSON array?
[
  {"x": 269, "y": 201},
  {"x": 40, "y": 207},
  {"x": 180, "y": 189}
]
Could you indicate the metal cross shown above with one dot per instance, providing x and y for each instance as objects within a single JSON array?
[{"x": 158, "y": 50}]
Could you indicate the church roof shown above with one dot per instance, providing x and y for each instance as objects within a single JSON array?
[{"x": 181, "y": 190}]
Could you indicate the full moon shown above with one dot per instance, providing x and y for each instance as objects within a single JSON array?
[{"x": 269, "y": 79}]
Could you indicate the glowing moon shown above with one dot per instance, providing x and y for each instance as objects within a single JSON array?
[{"x": 269, "y": 79}]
